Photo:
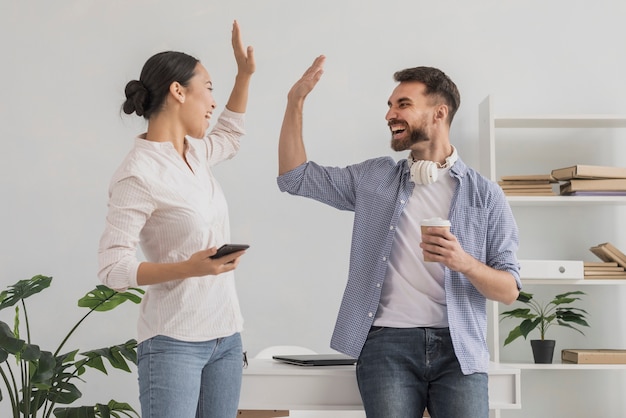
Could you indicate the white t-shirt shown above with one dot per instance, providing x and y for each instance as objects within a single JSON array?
[{"x": 413, "y": 293}]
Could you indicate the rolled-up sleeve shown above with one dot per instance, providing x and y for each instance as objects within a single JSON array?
[
  {"x": 129, "y": 207},
  {"x": 223, "y": 142}
]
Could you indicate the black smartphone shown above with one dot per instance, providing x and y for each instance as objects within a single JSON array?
[{"x": 228, "y": 249}]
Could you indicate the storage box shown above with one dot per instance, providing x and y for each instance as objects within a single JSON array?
[
  {"x": 552, "y": 269},
  {"x": 593, "y": 356}
]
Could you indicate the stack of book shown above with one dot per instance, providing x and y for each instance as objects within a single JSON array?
[
  {"x": 613, "y": 265},
  {"x": 603, "y": 270},
  {"x": 593, "y": 356},
  {"x": 528, "y": 185},
  {"x": 589, "y": 180}
]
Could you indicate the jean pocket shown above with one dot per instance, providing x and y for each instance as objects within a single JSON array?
[{"x": 374, "y": 330}]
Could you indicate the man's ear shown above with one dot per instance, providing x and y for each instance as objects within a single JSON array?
[
  {"x": 441, "y": 113},
  {"x": 177, "y": 91}
]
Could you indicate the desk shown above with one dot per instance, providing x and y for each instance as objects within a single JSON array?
[{"x": 268, "y": 384}]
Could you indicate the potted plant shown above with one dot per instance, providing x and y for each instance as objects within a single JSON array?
[
  {"x": 542, "y": 316},
  {"x": 35, "y": 380}
]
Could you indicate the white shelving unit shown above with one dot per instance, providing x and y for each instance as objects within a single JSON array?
[{"x": 489, "y": 123}]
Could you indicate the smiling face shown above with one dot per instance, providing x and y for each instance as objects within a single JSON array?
[
  {"x": 198, "y": 104},
  {"x": 410, "y": 115}
]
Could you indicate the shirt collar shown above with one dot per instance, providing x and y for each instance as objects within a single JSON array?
[{"x": 142, "y": 142}]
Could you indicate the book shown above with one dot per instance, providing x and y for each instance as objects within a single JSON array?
[
  {"x": 598, "y": 193},
  {"x": 589, "y": 172},
  {"x": 601, "y": 253},
  {"x": 546, "y": 186},
  {"x": 618, "y": 256},
  {"x": 608, "y": 252},
  {"x": 593, "y": 356},
  {"x": 614, "y": 250},
  {"x": 525, "y": 182},
  {"x": 621, "y": 272},
  {"x": 606, "y": 277},
  {"x": 529, "y": 177},
  {"x": 600, "y": 270},
  {"x": 591, "y": 264},
  {"x": 581, "y": 185},
  {"x": 530, "y": 193}
]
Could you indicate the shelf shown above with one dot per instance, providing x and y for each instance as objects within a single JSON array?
[
  {"x": 565, "y": 200},
  {"x": 561, "y": 121},
  {"x": 564, "y": 366},
  {"x": 577, "y": 282},
  {"x": 536, "y": 126}
]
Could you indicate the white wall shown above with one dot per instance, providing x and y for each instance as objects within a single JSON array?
[{"x": 64, "y": 67}]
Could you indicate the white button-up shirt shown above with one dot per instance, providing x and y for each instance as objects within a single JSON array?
[{"x": 157, "y": 202}]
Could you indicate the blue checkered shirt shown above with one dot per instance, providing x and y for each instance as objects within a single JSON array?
[{"x": 376, "y": 191}]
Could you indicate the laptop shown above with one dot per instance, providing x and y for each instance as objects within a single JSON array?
[{"x": 316, "y": 359}]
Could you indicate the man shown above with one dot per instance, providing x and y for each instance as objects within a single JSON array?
[{"x": 417, "y": 328}]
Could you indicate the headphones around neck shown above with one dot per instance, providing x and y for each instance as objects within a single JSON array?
[{"x": 425, "y": 172}]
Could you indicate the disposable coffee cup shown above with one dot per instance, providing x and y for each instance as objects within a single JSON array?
[{"x": 433, "y": 223}]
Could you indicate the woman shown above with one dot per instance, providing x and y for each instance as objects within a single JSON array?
[{"x": 165, "y": 198}]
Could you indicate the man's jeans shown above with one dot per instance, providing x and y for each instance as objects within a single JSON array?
[
  {"x": 401, "y": 371},
  {"x": 179, "y": 379}
]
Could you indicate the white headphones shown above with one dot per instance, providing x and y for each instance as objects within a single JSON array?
[{"x": 425, "y": 172}]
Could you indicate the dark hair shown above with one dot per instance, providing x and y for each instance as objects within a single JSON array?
[
  {"x": 146, "y": 96},
  {"x": 437, "y": 84}
]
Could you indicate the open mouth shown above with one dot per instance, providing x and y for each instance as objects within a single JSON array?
[{"x": 397, "y": 128}]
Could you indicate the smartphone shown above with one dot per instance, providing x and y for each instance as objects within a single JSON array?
[{"x": 228, "y": 249}]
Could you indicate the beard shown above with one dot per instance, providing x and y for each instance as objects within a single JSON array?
[{"x": 414, "y": 135}]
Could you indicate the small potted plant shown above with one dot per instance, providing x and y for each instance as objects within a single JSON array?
[{"x": 543, "y": 316}]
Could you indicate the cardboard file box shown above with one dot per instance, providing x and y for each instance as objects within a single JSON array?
[
  {"x": 552, "y": 269},
  {"x": 593, "y": 356}
]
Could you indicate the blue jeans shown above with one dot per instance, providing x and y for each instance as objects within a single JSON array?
[
  {"x": 401, "y": 371},
  {"x": 179, "y": 379}
]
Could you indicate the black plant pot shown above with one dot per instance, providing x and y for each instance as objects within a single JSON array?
[{"x": 543, "y": 351}]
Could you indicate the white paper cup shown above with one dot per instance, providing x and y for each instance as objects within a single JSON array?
[{"x": 433, "y": 223}]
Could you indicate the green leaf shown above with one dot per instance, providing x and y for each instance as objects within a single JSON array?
[
  {"x": 565, "y": 324},
  {"x": 44, "y": 369},
  {"x": 115, "y": 355},
  {"x": 79, "y": 412},
  {"x": 129, "y": 350},
  {"x": 524, "y": 297},
  {"x": 528, "y": 325},
  {"x": 98, "y": 410},
  {"x": 23, "y": 289},
  {"x": 104, "y": 299},
  {"x": 562, "y": 295},
  {"x": 94, "y": 361},
  {"x": 8, "y": 342},
  {"x": 31, "y": 352},
  {"x": 64, "y": 393},
  {"x": 35, "y": 401},
  {"x": 513, "y": 335},
  {"x": 523, "y": 313}
]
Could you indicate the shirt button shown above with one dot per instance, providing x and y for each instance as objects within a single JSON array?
[
  {"x": 402, "y": 201},
  {"x": 391, "y": 228},
  {"x": 377, "y": 284},
  {"x": 370, "y": 314},
  {"x": 384, "y": 258}
]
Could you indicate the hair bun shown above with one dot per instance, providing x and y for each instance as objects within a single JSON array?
[{"x": 136, "y": 98}]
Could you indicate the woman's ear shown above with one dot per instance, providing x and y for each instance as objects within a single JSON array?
[{"x": 177, "y": 91}]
